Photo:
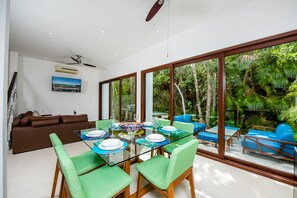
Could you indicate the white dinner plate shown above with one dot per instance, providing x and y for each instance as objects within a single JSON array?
[
  {"x": 155, "y": 138},
  {"x": 169, "y": 128},
  {"x": 147, "y": 123},
  {"x": 111, "y": 144},
  {"x": 95, "y": 133}
]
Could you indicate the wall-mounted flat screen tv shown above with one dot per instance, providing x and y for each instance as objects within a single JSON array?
[{"x": 61, "y": 84}]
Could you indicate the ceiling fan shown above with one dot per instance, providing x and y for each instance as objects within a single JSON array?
[
  {"x": 78, "y": 61},
  {"x": 156, "y": 7}
]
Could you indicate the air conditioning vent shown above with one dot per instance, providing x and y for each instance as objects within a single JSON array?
[{"x": 67, "y": 70}]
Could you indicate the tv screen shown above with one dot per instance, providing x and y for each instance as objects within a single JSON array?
[{"x": 61, "y": 84}]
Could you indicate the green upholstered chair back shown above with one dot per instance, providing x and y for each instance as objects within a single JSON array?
[
  {"x": 55, "y": 140},
  {"x": 101, "y": 124},
  {"x": 184, "y": 126},
  {"x": 181, "y": 159},
  {"x": 69, "y": 172},
  {"x": 163, "y": 122}
]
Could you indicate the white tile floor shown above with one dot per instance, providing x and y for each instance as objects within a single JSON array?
[{"x": 30, "y": 175}]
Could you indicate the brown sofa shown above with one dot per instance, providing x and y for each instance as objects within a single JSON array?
[{"x": 32, "y": 132}]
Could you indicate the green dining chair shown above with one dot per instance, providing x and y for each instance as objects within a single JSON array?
[
  {"x": 164, "y": 173},
  {"x": 102, "y": 182},
  {"x": 163, "y": 122},
  {"x": 83, "y": 163},
  {"x": 102, "y": 124},
  {"x": 181, "y": 126}
]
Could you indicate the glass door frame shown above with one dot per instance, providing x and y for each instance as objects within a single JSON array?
[
  {"x": 120, "y": 78},
  {"x": 143, "y": 88}
]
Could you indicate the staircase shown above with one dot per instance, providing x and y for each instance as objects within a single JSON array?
[{"x": 11, "y": 102}]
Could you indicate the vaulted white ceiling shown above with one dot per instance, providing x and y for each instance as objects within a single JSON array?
[{"x": 102, "y": 31}]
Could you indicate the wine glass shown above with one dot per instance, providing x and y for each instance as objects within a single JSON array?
[
  {"x": 155, "y": 124},
  {"x": 136, "y": 117},
  {"x": 112, "y": 125}
]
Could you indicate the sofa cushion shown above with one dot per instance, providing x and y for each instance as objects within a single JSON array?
[
  {"x": 74, "y": 118},
  {"x": 25, "y": 121},
  {"x": 39, "y": 123},
  {"x": 16, "y": 122},
  {"x": 40, "y": 118}
]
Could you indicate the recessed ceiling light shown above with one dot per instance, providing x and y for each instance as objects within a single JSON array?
[
  {"x": 116, "y": 53},
  {"x": 45, "y": 58},
  {"x": 102, "y": 31},
  {"x": 51, "y": 34},
  {"x": 158, "y": 31}
]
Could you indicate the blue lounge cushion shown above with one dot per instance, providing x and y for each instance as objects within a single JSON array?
[
  {"x": 188, "y": 118},
  {"x": 281, "y": 128},
  {"x": 198, "y": 126},
  {"x": 210, "y": 137},
  {"x": 283, "y": 132},
  {"x": 250, "y": 144}
]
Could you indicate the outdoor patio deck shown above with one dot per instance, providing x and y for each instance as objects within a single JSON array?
[{"x": 236, "y": 152}]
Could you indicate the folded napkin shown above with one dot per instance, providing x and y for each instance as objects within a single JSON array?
[
  {"x": 97, "y": 150},
  {"x": 84, "y": 137},
  {"x": 176, "y": 132},
  {"x": 143, "y": 141}
]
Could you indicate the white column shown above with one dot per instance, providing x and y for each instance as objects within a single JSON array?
[
  {"x": 4, "y": 33},
  {"x": 149, "y": 83},
  {"x": 105, "y": 101}
]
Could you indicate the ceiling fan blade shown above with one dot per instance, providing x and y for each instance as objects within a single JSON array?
[
  {"x": 73, "y": 58},
  {"x": 71, "y": 63},
  {"x": 89, "y": 65},
  {"x": 156, "y": 7}
]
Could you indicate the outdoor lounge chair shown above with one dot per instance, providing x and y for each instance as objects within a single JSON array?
[
  {"x": 279, "y": 144},
  {"x": 188, "y": 119},
  {"x": 211, "y": 135}
]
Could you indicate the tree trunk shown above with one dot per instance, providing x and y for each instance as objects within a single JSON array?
[
  {"x": 182, "y": 97},
  {"x": 208, "y": 99},
  {"x": 198, "y": 102},
  {"x": 214, "y": 92}
]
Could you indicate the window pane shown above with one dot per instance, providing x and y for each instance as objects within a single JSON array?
[
  {"x": 195, "y": 94},
  {"x": 260, "y": 88},
  {"x": 115, "y": 99},
  {"x": 128, "y": 99},
  {"x": 157, "y": 94}
]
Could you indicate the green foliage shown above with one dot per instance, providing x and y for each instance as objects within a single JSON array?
[{"x": 262, "y": 80}]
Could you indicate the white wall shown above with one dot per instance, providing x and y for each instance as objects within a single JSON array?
[
  {"x": 254, "y": 20},
  {"x": 35, "y": 92},
  {"x": 4, "y": 28},
  {"x": 13, "y": 64}
]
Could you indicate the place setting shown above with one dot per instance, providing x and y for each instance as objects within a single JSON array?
[
  {"x": 169, "y": 130},
  {"x": 153, "y": 140},
  {"x": 94, "y": 134},
  {"x": 109, "y": 146}
]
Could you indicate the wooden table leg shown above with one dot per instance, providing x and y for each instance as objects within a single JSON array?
[{"x": 126, "y": 166}]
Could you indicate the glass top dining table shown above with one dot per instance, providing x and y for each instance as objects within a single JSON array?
[{"x": 132, "y": 147}]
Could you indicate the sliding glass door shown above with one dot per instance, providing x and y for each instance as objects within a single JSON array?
[
  {"x": 261, "y": 93},
  {"x": 118, "y": 98}
]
